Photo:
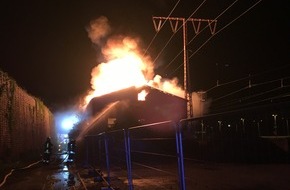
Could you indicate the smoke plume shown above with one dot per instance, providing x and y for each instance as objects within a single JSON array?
[{"x": 98, "y": 29}]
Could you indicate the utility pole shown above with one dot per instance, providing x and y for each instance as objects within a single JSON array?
[{"x": 174, "y": 23}]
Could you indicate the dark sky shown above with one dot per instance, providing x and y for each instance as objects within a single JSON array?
[{"x": 46, "y": 49}]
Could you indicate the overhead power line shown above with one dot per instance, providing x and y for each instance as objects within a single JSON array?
[
  {"x": 173, "y": 34},
  {"x": 225, "y": 27},
  {"x": 196, "y": 36},
  {"x": 275, "y": 89},
  {"x": 161, "y": 27},
  {"x": 220, "y": 29},
  {"x": 250, "y": 76},
  {"x": 280, "y": 81},
  {"x": 280, "y": 98},
  {"x": 174, "y": 23}
]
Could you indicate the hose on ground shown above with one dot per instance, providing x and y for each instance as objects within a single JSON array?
[{"x": 10, "y": 173}]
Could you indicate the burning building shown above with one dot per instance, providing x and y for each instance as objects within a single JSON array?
[
  {"x": 125, "y": 91},
  {"x": 123, "y": 109}
]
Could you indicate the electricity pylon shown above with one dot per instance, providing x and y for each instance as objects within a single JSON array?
[{"x": 174, "y": 23}]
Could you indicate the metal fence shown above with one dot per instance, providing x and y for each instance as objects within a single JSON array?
[
  {"x": 142, "y": 151},
  {"x": 251, "y": 138},
  {"x": 158, "y": 151}
]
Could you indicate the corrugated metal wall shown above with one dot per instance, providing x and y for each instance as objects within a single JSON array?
[{"x": 25, "y": 121}]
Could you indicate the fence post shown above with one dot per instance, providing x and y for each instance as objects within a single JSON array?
[
  {"x": 179, "y": 151},
  {"x": 128, "y": 158},
  {"x": 99, "y": 155},
  {"x": 107, "y": 158},
  {"x": 87, "y": 151}
]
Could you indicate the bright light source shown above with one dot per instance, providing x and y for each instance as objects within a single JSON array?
[
  {"x": 66, "y": 121},
  {"x": 69, "y": 122}
]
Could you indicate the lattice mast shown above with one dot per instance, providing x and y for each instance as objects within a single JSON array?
[{"x": 174, "y": 23}]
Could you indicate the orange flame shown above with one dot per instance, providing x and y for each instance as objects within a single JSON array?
[
  {"x": 142, "y": 95},
  {"x": 126, "y": 67}
]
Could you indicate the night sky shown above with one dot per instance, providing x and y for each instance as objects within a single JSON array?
[{"x": 46, "y": 49}]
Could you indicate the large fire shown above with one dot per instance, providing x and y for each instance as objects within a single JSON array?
[{"x": 125, "y": 67}]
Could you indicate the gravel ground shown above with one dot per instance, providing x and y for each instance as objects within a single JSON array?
[
  {"x": 162, "y": 175},
  {"x": 204, "y": 177}
]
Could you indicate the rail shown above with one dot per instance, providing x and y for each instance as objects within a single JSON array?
[
  {"x": 134, "y": 135},
  {"x": 238, "y": 137}
]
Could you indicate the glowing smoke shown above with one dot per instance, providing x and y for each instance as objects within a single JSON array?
[
  {"x": 98, "y": 29},
  {"x": 167, "y": 85},
  {"x": 125, "y": 65}
]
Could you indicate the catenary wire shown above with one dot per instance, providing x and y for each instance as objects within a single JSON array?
[
  {"x": 241, "y": 79},
  {"x": 247, "y": 87},
  {"x": 248, "y": 100},
  {"x": 225, "y": 27},
  {"x": 285, "y": 95},
  {"x": 176, "y": 31},
  {"x": 219, "y": 32},
  {"x": 232, "y": 102},
  {"x": 160, "y": 28},
  {"x": 197, "y": 35}
]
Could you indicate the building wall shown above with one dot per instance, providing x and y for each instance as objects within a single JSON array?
[{"x": 25, "y": 122}]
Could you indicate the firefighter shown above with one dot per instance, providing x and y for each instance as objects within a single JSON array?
[
  {"x": 71, "y": 150},
  {"x": 47, "y": 150}
]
